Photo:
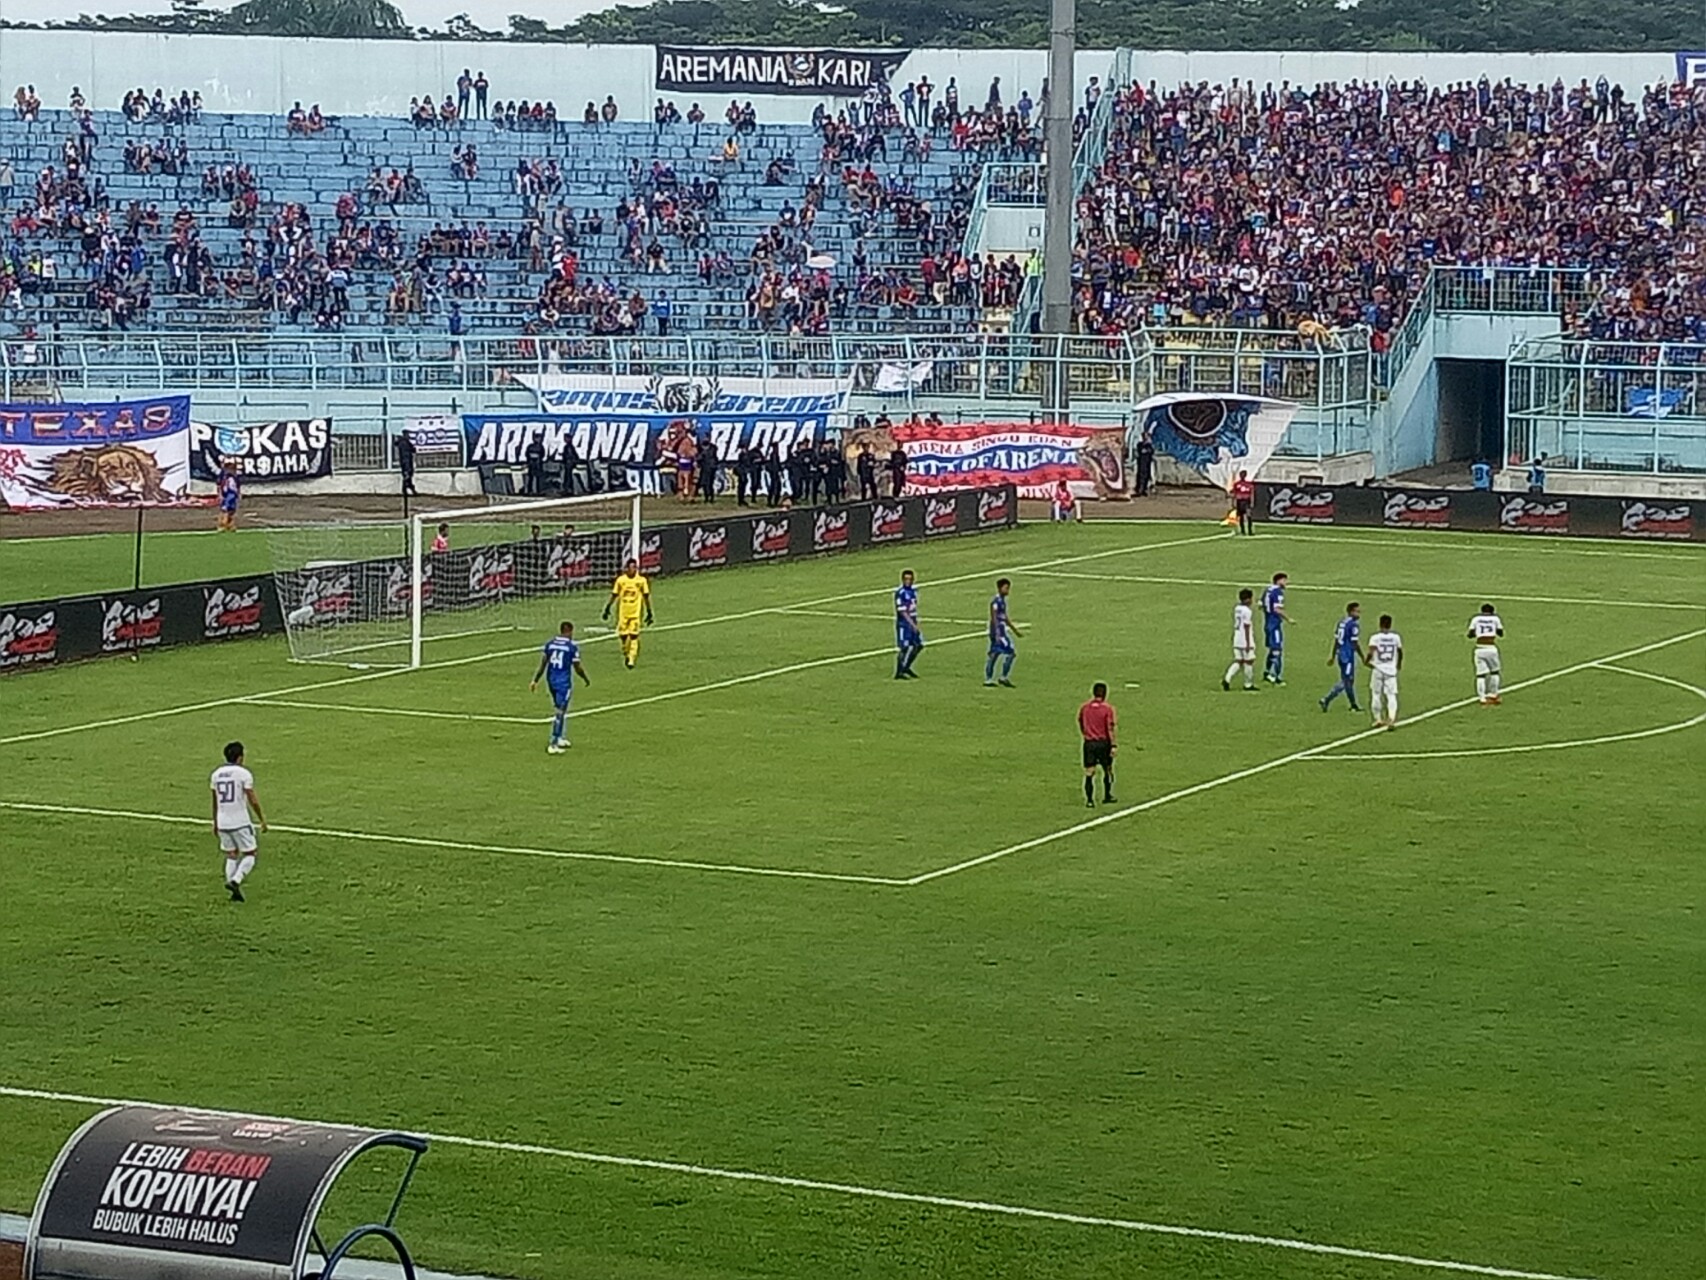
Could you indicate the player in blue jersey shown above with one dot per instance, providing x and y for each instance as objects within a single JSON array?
[
  {"x": 559, "y": 664},
  {"x": 1273, "y": 629},
  {"x": 1001, "y": 635},
  {"x": 908, "y": 639},
  {"x": 1346, "y": 655}
]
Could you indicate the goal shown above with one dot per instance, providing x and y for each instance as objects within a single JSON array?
[{"x": 380, "y": 592}]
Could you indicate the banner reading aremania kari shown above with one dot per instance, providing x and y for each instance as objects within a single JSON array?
[
  {"x": 626, "y": 419},
  {"x": 748, "y": 69},
  {"x": 122, "y": 453}
]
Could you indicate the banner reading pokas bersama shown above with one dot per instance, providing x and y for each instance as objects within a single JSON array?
[
  {"x": 632, "y": 419},
  {"x": 122, "y": 453},
  {"x": 294, "y": 449}
]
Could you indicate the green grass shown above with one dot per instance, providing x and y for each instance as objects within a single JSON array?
[
  {"x": 33, "y": 568},
  {"x": 1446, "y": 1007},
  {"x": 47, "y": 568}
]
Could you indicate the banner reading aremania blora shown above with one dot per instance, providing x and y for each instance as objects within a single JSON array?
[
  {"x": 632, "y": 419},
  {"x": 120, "y": 453}
]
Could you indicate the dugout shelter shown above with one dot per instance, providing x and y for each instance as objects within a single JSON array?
[{"x": 157, "y": 1193}]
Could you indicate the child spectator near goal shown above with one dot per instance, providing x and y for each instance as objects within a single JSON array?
[
  {"x": 230, "y": 493},
  {"x": 1062, "y": 505}
]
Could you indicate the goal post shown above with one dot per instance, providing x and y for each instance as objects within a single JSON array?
[
  {"x": 375, "y": 593},
  {"x": 512, "y": 559}
]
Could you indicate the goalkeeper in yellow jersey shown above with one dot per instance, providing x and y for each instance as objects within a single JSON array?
[{"x": 631, "y": 595}]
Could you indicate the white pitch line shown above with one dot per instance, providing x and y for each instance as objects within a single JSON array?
[
  {"x": 1526, "y": 748},
  {"x": 770, "y": 610},
  {"x": 1433, "y": 540},
  {"x": 461, "y": 846},
  {"x": 879, "y": 617},
  {"x": 688, "y": 692},
  {"x": 1371, "y": 592},
  {"x": 335, "y": 657},
  {"x": 356, "y": 708},
  {"x": 863, "y": 1192},
  {"x": 1279, "y": 762}
]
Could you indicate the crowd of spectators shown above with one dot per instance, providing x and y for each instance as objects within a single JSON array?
[
  {"x": 138, "y": 106},
  {"x": 1293, "y": 208},
  {"x": 1282, "y": 207}
]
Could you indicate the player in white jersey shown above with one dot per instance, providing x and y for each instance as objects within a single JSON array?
[
  {"x": 1485, "y": 630},
  {"x": 236, "y": 811},
  {"x": 1386, "y": 657},
  {"x": 1243, "y": 642}
]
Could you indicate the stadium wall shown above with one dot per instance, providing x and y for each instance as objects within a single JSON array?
[
  {"x": 50, "y": 633},
  {"x": 1478, "y": 511},
  {"x": 265, "y": 75}
]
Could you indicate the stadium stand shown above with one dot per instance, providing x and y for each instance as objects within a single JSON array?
[
  {"x": 1287, "y": 208},
  {"x": 1294, "y": 208},
  {"x": 163, "y": 218}
]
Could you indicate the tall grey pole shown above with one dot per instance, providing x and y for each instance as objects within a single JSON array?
[{"x": 1057, "y": 225}]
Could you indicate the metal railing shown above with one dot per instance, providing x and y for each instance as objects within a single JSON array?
[
  {"x": 1455, "y": 290},
  {"x": 1020, "y": 185},
  {"x": 981, "y": 366},
  {"x": 1513, "y": 290},
  {"x": 1329, "y": 382},
  {"x": 1004, "y": 183},
  {"x": 1092, "y": 149},
  {"x": 1026, "y": 185},
  {"x": 1608, "y": 406},
  {"x": 1087, "y": 158},
  {"x": 370, "y": 387}
]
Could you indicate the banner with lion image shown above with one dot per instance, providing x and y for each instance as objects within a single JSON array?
[
  {"x": 1032, "y": 456},
  {"x": 119, "y": 453}
]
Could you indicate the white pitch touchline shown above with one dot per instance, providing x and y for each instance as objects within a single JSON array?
[
  {"x": 880, "y": 617},
  {"x": 444, "y": 664},
  {"x": 672, "y": 694},
  {"x": 127, "y": 535},
  {"x": 1557, "y": 546},
  {"x": 854, "y": 1189},
  {"x": 1280, "y": 761},
  {"x": 414, "y": 712},
  {"x": 464, "y": 846},
  {"x": 1526, "y": 748},
  {"x": 1374, "y": 592},
  {"x": 335, "y": 657}
]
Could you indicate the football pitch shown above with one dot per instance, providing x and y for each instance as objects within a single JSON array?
[{"x": 788, "y": 968}]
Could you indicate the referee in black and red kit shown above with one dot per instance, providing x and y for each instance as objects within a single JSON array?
[{"x": 1096, "y": 723}]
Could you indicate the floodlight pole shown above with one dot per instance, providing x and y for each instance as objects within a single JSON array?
[{"x": 1057, "y": 221}]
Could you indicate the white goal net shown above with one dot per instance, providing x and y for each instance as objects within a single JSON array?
[{"x": 388, "y": 592}]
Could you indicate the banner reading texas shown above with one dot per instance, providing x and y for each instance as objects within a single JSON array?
[{"x": 126, "y": 453}]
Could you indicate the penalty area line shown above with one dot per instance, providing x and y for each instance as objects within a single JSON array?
[
  {"x": 459, "y": 846},
  {"x": 1528, "y": 748},
  {"x": 602, "y": 708},
  {"x": 1279, "y": 762},
  {"x": 1375, "y": 592},
  {"x": 444, "y": 664},
  {"x": 856, "y": 1191}
]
